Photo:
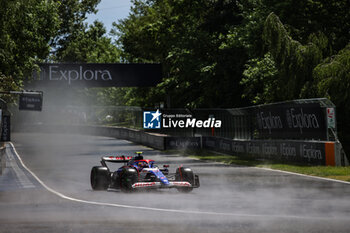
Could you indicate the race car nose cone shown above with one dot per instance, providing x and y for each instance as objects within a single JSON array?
[{"x": 164, "y": 180}]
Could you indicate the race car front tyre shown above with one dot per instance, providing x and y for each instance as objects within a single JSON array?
[
  {"x": 128, "y": 177},
  {"x": 99, "y": 178},
  {"x": 184, "y": 174}
]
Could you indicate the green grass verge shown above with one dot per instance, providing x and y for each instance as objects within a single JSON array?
[{"x": 338, "y": 173}]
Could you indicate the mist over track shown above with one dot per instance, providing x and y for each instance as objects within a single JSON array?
[{"x": 230, "y": 199}]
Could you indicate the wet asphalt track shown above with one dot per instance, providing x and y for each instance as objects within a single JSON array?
[{"x": 230, "y": 199}]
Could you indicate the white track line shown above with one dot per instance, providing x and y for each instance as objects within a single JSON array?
[
  {"x": 23, "y": 180},
  {"x": 298, "y": 174},
  {"x": 291, "y": 173},
  {"x": 156, "y": 209}
]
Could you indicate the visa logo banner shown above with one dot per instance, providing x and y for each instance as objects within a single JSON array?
[{"x": 152, "y": 119}]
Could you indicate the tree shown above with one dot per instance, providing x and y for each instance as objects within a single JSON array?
[
  {"x": 333, "y": 77},
  {"x": 294, "y": 63},
  {"x": 26, "y": 29},
  {"x": 189, "y": 39},
  {"x": 333, "y": 82},
  {"x": 205, "y": 47},
  {"x": 260, "y": 78},
  {"x": 303, "y": 18},
  {"x": 71, "y": 15},
  {"x": 91, "y": 46}
]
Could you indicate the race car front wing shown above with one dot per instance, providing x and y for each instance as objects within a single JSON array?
[{"x": 172, "y": 184}]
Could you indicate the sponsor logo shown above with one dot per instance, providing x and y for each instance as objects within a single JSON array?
[
  {"x": 288, "y": 150},
  {"x": 269, "y": 121},
  {"x": 152, "y": 120},
  {"x": 144, "y": 184},
  {"x": 252, "y": 148},
  {"x": 238, "y": 148},
  {"x": 269, "y": 149},
  {"x": 122, "y": 158},
  {"x": 310, "y": 152},
  {"x": 184, "y": 144},
  {"x": 191, "y": 123},
  {"x": 301, "y": 120},
  {"x": 157, "y": 120},
  {"x": 184, "y": 183},
  {"x": 70, "y": 75},
  {"x": 331, "y": 117}
]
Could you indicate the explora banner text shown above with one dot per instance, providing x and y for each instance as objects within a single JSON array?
[
  {"x": 95, "y": 75},
  {"x": 155, "y": 120}
]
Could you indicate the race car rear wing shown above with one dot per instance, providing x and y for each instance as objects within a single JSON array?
[{"x": 115, "y": 159}]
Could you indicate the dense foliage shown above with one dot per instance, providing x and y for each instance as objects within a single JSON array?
[
  {"x": 71, "y": 17},
  {"x": 202, "y": 61},
  {"x": 26, "y": 30},
  {"x": 232, "y": 53}
]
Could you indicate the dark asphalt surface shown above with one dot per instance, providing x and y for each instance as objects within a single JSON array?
[{"x": 230, "y": 199}]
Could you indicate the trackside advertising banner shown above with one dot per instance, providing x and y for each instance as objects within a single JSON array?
[
  {"x": 183, "y": 143},
  {"x": 96, "y": 75},
  {"x": 291, "y": 121},
  {"x": 305, "y": 152}
]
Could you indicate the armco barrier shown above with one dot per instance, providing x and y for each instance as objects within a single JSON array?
[{"x": 304, "y": 152}]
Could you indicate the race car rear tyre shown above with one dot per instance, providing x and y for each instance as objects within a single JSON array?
[
  {"x": 99, "y": 178},
  {"x": 184, "y": 174},
  {"x": 128, "y": 177}
]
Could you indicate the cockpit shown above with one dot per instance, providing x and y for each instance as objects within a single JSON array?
[{"x": 141, "y": 164}]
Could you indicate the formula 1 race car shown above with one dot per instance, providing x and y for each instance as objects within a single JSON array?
[{"x": 139, "y": 173}]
